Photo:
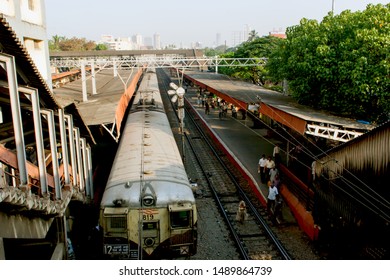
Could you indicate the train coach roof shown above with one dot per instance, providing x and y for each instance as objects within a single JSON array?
[
  {"x": 147, "y": 152},
  {"x": 165, "y": 192}
]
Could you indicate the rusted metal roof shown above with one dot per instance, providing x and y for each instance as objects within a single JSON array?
[{"x": 244, "y": 94}]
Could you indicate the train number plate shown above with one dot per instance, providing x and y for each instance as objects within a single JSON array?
[{"x": 114, "y": 249}]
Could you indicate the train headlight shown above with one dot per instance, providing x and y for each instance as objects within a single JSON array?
[
  {"x": 148, "y": 200},
  {"x": 149, "y": 242}
]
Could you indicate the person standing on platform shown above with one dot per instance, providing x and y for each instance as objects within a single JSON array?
[
  {"x": 234, "y": 112},
  {"x": 243, "y": 114},
  {"x": 271, "y": 198},
  {"x": 268, "y": 166},
  {"x": 199, "y": 98},
  {"x": 207, "y": 110},
  {"x": 276, "y": 154},
  {"x": 277, "y": 182},
  {"x": 272, "y": 174},
  {"x": 261, "y": 168}
]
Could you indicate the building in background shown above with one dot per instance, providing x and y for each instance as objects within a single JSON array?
[
  {"x": 28, "y": 19},
  {"x": 148, "y": 43},
  {"x": 279, "y": 34},
  {"x": 117, "y": 44},
  {"x": 218, "y": 40},
  {"x": 241, "y": 36},
  {"x": 138, "y": 41},
  {"x": 157, "y": 41}
]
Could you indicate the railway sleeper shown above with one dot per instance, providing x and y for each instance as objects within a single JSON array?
[{"x": 250, "y": 235}]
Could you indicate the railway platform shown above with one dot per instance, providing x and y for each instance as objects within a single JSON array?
[{"x": 244, "y": 143}]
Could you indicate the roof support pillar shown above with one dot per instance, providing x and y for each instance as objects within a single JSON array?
[
  {"x": 83, "y": 81},
  {"x": 53, "y": 149},
  {"x": 83, "y": 147},
  {"x": 33, "y": 94},
  {"x": 90, "y": 173},
  {"x": 73, "y": 160},
  {"x": 115, "y": 67},
  {"x": 10, "y": 67},
  {"x": 79, "y": 159},
  {"x": 93, "y": 78},
  {"x": 64, "y": 146}
]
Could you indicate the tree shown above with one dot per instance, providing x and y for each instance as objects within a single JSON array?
[
  {"x": 54, "y": 43},
  {"x": 77, "y": 44},
  {"x": 61, "y": 43},
  {"x": 258, "y": 48},
  {"x": 341, "y": 64},
  {"x": 101, "y": 47},
  {"x": 252, "y": 36}
]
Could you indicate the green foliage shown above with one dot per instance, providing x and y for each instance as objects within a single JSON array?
[
  {"x": 254, "y": 48},
  {"x": 61, "y": 43},
  {"x": 341, "y": 64},
  {"x": 101, "y": 47},
  {"x": 214, "y": 52},
  {"x": 54, "y": 43}
]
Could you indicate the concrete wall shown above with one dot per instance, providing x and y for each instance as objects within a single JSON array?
[{"x": 29, "y": 24}]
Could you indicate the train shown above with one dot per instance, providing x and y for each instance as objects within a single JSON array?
[{"x": 148, "y": 208}]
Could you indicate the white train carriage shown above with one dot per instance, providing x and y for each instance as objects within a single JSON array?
[{"x": 148, "y": 209}]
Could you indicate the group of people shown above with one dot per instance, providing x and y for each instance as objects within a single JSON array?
[
  {"x": 212, "y": 102},
  {"x": 269, "y": 174}
]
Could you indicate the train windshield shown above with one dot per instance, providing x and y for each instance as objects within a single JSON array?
[{"x": 180, "y": 219}]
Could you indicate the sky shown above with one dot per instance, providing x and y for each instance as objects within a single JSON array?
[{"x": 185, "y": 22}]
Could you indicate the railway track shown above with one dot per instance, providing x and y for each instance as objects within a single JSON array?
[{"x": 254, "y": 238}]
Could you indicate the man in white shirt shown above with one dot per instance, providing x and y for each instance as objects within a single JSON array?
[
  {"x": 261, "y": 168},
  {"x": 271, "y": 199},
  {"x": 269, "y": 164}
]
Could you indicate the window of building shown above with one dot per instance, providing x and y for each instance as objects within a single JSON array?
[
  {"x": 31, "y": 5},
  {"x": 33, "y": 45},
  {"x": 37, "y": 44}
]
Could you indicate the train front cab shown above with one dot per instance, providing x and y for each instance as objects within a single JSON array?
[{"x": 165, "y": 232}]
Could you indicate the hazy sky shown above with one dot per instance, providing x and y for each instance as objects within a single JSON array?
[{"x": 183, "y": 22}]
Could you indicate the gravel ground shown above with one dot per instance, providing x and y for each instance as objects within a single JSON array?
[{"x": 214, "y": 242}]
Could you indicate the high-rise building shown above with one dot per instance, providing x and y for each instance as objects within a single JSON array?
[
  {"x": 239, "y": 37},
  {"x": 137, "y": 40},
  {"x": 117, "y": 44},
  {"x": 148, "y": 42},
  {"x": 218, "y": 40},
  {"x": 245, "y": 34},
  {"x": 27, "y": 18},
  {"x": 156, "y": 41}
]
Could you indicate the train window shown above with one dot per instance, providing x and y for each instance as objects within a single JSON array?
[
  {"x": 180, "y": 219},
  {"x": 149, "y": 226}
]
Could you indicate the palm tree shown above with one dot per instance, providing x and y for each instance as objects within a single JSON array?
[
  {"x": 252, "y": 36},
  {"x": 54, "y": 43}
]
